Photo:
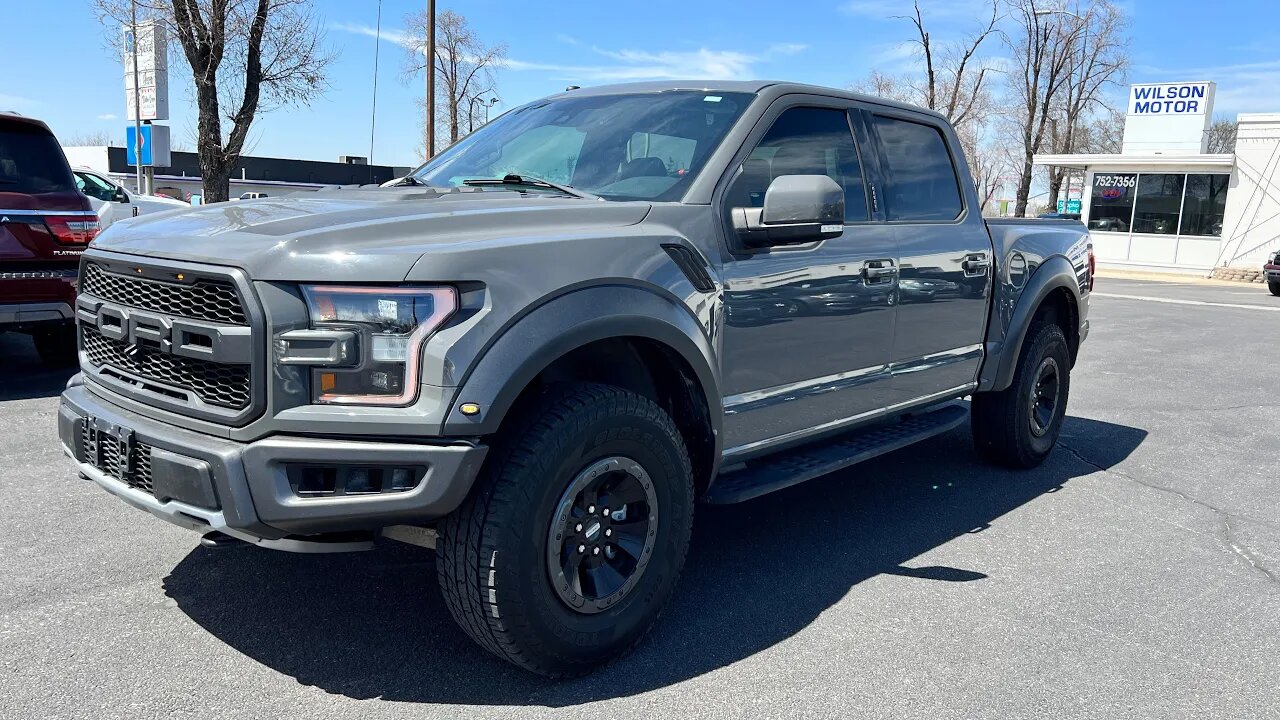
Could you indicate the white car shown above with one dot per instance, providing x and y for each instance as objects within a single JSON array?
[{"x": 113, "y": 201}]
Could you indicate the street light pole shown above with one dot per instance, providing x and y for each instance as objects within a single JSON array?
[
  {"x": 431, "y": 78},
  {"x": 486, "y": 104}
]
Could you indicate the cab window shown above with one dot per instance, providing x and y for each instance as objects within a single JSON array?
[
  {"x": 94, "y": 186},
  {"x": 922, "y": 178},
  {"x": 804, "y": 141}
]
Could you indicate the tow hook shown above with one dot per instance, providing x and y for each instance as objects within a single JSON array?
[{"x": 217, "y": 541}]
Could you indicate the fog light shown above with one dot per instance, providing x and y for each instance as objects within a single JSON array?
[
  {"x": 317, "y": 481},
  {"x": 361, "y": 480},
  {"x": 402, "y": 479}
]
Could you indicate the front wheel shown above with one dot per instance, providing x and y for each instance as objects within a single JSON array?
[
  {"x": 1274, "y": 287},
  {"x": 570, "y": 545},
  {"x": 1018, "y": 427}
]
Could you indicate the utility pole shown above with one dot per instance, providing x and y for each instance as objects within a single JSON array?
[
  {"x": 431, "y": 78},
  {"x": 137, "y": 96}
]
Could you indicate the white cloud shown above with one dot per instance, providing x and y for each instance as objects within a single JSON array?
[
  {"x": 392, "y": 36},
  {"x": 112, "y": 116},
  {"x": 938, "y": 10},
  {"x": 567, "y": 39},
  {"x": 663, "y": 65},
  {"x": 17, "y": 102},
  {"x": 1242, "y": 87},
  {"x": 626, "y": 64}
]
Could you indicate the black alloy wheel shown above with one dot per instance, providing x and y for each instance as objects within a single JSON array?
[
  {"x": 602, "y": 534},
  {"x": 1044, "y": 396}
]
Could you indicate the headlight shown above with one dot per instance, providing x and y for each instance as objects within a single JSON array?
[{"x": 391, "y": 324}]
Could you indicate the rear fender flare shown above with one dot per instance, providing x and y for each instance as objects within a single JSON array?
[{"x": 1002, "y": 356}]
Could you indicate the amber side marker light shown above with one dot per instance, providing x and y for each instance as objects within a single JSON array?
[{"x": 469, "y": 409}]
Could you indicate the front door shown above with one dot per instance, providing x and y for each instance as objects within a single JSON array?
[{"x": 806, "y": 342}]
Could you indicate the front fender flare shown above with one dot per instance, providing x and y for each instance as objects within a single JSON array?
[
  {"x": 534, "y": 341},
  {"x": 1002, "y": 356}
]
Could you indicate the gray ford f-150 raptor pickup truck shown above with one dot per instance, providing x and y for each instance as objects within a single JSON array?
[{"x": 544, "y": 347}]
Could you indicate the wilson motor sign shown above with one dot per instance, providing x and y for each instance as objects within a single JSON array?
[
  {"x": 1168, "y": 118},
  {"x": 1170, "y": 99}
]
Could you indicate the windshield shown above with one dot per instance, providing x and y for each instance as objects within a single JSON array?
[{"x": 621, "y": 147}]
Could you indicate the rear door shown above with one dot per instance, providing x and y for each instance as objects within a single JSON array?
[
  {"x": 945, "y": 256},
  {"x": 806, "y": 342}
]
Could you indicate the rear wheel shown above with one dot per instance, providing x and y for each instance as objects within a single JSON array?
[
  {"x": 1018, "y": 427},
  {"x": 56, "y": 345},
  {"x": 570, "y": 545},
  {"x": 1274, "y": 287}
]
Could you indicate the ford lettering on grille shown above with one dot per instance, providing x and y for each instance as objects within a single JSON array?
[{"x": 187, "y": 345}]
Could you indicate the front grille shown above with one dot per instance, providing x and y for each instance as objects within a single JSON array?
[
  {"x": 105, "y": 451},
  {"x": 226, "y": 386},
  {"x": 203, "y": 299}
]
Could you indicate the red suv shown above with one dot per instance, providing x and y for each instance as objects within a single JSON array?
[{"x": 45, "y": 223}]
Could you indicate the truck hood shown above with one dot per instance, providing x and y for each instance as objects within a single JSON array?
[{"x": 365, "y": 235}]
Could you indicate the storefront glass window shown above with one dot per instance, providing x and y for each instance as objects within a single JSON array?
[
  {"x": 1159, "y": 200},
  {"x": 1111, "y": 207},
  {"x": 1205, "y": 205}
]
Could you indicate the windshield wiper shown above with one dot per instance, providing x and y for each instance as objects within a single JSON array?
[
  {"x": 530, "y": 181},
  {"x": 408, "y": 180}
]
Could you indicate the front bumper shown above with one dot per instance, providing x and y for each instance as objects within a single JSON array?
[
  {"x": 1272, "y": 272},
  {"x": 243, "y": 490}
]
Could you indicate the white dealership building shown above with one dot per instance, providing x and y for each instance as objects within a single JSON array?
[{"x": 1164, "y": 203}]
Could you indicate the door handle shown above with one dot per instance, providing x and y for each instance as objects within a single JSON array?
[
  {"x": 876, "y": 269},
  {"x": 975, "y": 263}
]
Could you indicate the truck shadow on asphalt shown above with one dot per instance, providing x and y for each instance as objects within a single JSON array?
[
  {"x": 23, "y": 375},
  {"x": 374, "y": 625}
]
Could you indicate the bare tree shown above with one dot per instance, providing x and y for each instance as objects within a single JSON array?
[
  {"x": 1103, "y": 134},
  {"x": 98, "y": 138},
  {"x": 1042, "y": 46},
  {"x": 956, "y": 81},
  {"x": 463, "y": 64},
  {"x": 987, "y": 167},
  {"x": 246, "y": 57},
  {"x": 1099, "y": 59},
  {"x": 1222, "y": 135}
]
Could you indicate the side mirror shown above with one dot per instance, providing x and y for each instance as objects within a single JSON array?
[
  {"x": 120, "y": 196},
  {"x": 797, "y": 209}
]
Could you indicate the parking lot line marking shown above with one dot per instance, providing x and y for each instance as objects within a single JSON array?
[{"x": 1173, "y": 301}]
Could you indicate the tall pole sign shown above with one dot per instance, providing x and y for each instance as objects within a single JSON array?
[
  {"x": 132, "y": 41},
  {"x": 146, "y": 87}
]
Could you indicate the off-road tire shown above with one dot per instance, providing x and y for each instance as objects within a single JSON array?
[
  {"x": 492, "y": 552},
  {"x": 1274, "y": 287},
  {"x": 1003, "y": 429},
  {"x": 56, "y": 345}
]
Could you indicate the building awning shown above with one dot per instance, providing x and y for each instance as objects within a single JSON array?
[{"x": 1082, "y": 162}]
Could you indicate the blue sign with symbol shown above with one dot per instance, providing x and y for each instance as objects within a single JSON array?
[
  {"x": 147, "y": 155},
  {"x": 1069, "y": 206}
]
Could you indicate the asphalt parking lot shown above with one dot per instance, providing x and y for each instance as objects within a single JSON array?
[{"x": 1135, "y": 574}]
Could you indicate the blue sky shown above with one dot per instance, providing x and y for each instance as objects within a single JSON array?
[{"x": 59, "y": 68}]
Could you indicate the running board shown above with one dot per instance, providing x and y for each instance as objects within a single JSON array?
[{"x": 792, "y": 467}]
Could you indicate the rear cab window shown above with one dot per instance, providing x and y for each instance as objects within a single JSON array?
[
  {"x": 31, "y": 161},
  {"x": 921, "y": 175}
]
